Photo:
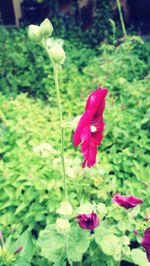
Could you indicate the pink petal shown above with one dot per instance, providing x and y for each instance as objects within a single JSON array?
[
  {"x": 84, "y": 120},
  {"x": 95, "y": 99}
]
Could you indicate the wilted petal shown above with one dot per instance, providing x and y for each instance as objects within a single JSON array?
[
  {"x": 88, "y": 221},
  {"x": 126, "y": 202}
]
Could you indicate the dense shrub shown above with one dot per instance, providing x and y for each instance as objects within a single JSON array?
[{"x": 25, "y": 68}]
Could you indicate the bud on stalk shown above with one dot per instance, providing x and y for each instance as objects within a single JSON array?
[
  {"x": 57, "y": 53},
  {"x": 34, "y": 33},
  {"x": 46, "y": 28}
]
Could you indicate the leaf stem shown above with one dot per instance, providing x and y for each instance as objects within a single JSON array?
[
  {"x": 121, "y": 18},
  {"x": 55, "y": 67}
]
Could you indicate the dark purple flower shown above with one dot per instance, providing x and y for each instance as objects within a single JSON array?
[
  {"x": 126, "y": 202},
  {"x": 88, "y": 221},
  {"x": 146, "y": 243}
]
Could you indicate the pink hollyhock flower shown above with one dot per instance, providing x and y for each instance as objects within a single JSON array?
[
  {"x": 126, "y": 202},
  {"x": 146, "y": 243},
  {"x": 88, "y": 221},
  {"x": 90, "y": 127}
]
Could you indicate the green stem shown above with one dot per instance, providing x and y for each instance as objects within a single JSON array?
[
  {"x": 62, "y": 130},
  {"x": 121, "y": 19}
]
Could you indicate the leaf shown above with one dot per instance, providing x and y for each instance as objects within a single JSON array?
[
  {"x": 85, "y": 208},
  {"x": 21, "y": 206},
  {"x": 72, "y": 124},
  {"x": 111, "y": 246},
  {"x": 102, "y": 210},
  {"x": 78, "y": 243},
  {"x": 25, "y": 241},
  {"x": 21, "y": 261},
  {"x": 52, "y": 244},
  {"x": 65, "y": 208},
  {"x": 54, "y": 247},
  {"x": 139, "y": 257},
  {"x": 101, "y": 231},
  {"x": 45, "y": 149}
]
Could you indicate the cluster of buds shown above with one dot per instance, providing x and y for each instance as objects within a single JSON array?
[{"x": 40, "y": 35}]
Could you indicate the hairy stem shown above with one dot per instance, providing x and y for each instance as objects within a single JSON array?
[
  {"x": 121, "y": 18},
  {"x": 62, "y": 130}
]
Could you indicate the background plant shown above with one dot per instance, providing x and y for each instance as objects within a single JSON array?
[{"x": 31, "y": 184}]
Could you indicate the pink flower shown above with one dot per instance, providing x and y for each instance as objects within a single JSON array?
[
  {"x": 146, "y": 243},
  {"x": 88, "y": 221},
  {"x": 90, "y": 127},
  {"x": 126, "y": 202}
]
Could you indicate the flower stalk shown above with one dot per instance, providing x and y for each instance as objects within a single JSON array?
[
  {"x": 55, "y": 67},
  {"x": 121, "y": 19},
  {"x": 56, "y": 54}
]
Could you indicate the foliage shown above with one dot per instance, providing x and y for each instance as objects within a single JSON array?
[
  {"x": 25, "y": 68},
  {"x": 31, "y": 177},
  {"x": 18, "y": 253}
]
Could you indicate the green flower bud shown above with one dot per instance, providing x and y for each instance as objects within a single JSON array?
[
  {"x": 46, "y": 28},
  {"x": 57, "y": 53},
  {"x": 34, "y": 33}
]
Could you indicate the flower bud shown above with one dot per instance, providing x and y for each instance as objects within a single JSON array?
[
  {"x": 34, "y": 33},
  {"x": 46, "y": 28},
  {"x": 62, "y": 226},
  {"x": 57, "y": 53}
]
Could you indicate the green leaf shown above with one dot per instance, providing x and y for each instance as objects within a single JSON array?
[
  {"x": 55, "y": 247},
  {"x": 111, "y": 246},
  {"x": 102, "y": 210},
  {"x": 25, "y": 241},
  {"x": 85, "y": 208},
  {"x": 45, "y": 149},
  {"x": 139, "y": 257},
  {"x": 21, "y": 207},
  {"x": 21, "y": 261},
  {"x": 52, "y": 244},
  {"x": 78, "y": 243}
]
